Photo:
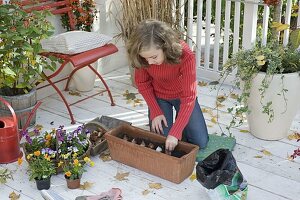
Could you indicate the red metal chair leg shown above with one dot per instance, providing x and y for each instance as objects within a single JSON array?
[
  {"x": 62, "y": 97},
  {"x": 95, "y": 71},
  {"x": 104, "y": 83}
]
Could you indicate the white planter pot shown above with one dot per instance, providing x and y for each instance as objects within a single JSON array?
[
  {"x": 283, "y": 115},
  {"x": 84, "y": 79}
]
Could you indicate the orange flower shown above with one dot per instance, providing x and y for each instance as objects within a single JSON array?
[
  {"x": 68, "y": 173},
  {"x": 20, "y": 161},
  {"x": 76, "y": 162},
  {"x": 37, "y": 153},
  {"x": 48, "y": 137},
  {"x": 47, "y": 157}
]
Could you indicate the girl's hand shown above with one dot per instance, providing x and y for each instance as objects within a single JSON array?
[
  {"x": 157, "y": 124},
  {"x": 171, "y": 143}
]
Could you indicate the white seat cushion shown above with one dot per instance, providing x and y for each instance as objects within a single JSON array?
[{"x": 73, "y": 42}]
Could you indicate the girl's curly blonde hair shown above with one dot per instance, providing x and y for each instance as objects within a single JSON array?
[{"x": 153, "y": 33}]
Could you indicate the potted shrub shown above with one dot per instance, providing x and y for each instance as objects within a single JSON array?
[
  {"x": 73, "y": 169},
  {"x": 21, "y": 65},
  {"x": 268, "y": 77},
  {"x": 41, "y": 168}
]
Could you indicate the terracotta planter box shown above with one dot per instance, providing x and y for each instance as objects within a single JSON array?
[
  {"x": 104, "y": 123},
  {"x": 146, "y": 159}
]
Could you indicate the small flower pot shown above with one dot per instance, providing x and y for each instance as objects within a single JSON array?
[
  {"x": 43, "y": 184},
  {"x": 73, "y": 184}
]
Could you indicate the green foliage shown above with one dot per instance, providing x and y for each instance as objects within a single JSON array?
[
  {"x": 4, "y": 175},
  {"x": 271, "y": 59},
  {"x": 20, "y": 62},
  {"x": 295, "y": 38}
]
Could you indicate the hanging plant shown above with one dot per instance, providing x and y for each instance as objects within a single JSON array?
[
  {"x": 271, "y": 2},
  {"x": 84, "y": 13}
]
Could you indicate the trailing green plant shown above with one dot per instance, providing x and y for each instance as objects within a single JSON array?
[
  {"x": 21, "y": 64},
  {"x": 272, "y": 59}
]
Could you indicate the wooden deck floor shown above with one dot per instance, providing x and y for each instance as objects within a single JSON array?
[{"x": 270, "y": 177}]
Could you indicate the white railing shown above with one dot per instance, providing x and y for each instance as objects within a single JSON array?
[{"x": 214, "y": 42}]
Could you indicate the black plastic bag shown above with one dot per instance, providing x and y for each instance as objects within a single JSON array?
[{"x": 220, "y": 172}]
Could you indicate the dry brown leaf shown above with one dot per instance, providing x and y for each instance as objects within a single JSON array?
[
  {"x": 214, "y": 120},
  {"x": 294, "y": 136},
  {"x": 234, "y": 96},
  {"x": 219, "y": 105},
  {"x": 214, "y": 83},
  {"x": 129, "y": 95},
  {"x": 193, "y": 177},
  {"x": 267, "y": 153},
  {"x": 244, "y": 131},
  {"x": 137, "y": 102},
  {"x": 74, "y": 93},
  {"x": 145, "y": 192},
  {"x": 86, "y": 185},
  {"x": 221, "y": 98},
  {"x": 14, "y": 196},
  {"x": 290, "y": 158},
  {"x": 155, "y": 185},
  {"x": 39, "y": 127},
  {"x": 121, "y": 176},
  {"x": 202, "y": 83},
  {"x": 105, "y": 157},
  {"x": 258, "y": 156},
  {"x": 207, "y": 110}
]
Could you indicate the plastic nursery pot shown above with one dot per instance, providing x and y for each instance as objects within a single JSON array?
[{"x": 43, "y": 184}]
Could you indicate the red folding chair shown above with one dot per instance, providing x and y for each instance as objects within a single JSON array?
[{"x": 80, "y": 60}]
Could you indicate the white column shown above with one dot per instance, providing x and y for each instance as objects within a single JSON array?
[
  {"x": 190, "y": 23},
  {"x": 250, "y": 20}
]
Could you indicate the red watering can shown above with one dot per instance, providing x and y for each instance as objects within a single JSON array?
[{"x": 9, "y": 137}]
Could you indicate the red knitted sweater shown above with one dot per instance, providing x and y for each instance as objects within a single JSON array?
[{"x": 170, "y": 81}]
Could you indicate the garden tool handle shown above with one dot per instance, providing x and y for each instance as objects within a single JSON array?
[{"x": 11, "y": 110}]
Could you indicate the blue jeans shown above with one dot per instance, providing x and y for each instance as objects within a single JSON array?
[{"x": 195, "y": 131}]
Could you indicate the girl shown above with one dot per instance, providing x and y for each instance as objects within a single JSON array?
[{"x": 165, "y": 75}]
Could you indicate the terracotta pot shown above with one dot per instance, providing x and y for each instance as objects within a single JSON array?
[
  {"x": 43, "y": 184},
  {"x": 160, "y": 164},
  {"x": 73, "y": 184}
]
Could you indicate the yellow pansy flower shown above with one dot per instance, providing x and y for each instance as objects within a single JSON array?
[
  {"x": 261, "y": 62},
  {"x": 261, "y": 57},
  {"x": 87, "y": 159},
  {"x": 60, "y": 163}
]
